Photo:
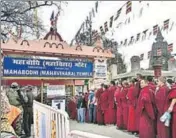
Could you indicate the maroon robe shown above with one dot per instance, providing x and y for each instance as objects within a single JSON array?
[
  {"x": 104, "y": 105},
  {"x": 147, "y": 114},
  {"x": 132, "y": 110},
  {"x": 99, "y": 114},
  {"x": 172, "y": 95},
  {"x": 123, "y": 99},
  {"x": 136, "y": 94},
  {"x": 119, "y": 114},
  {"x": 111, "y": 107},
  {"x": 87, "y": 111},
  {"x": 160, "y": 100},
  {"x": 72, "y": 109},
  {"x": 152, "y": 86}
]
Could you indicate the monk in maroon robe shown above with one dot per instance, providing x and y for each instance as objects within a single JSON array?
[
  {"x": 132, "y": 101},
  {"x": 170, "y": 106},
  {"x": 151, "y": 83},
  {"x": 123, "y": 98},
  {"x": 99, "y": 114},
  {"x": 104, "y": 103},
  {"x": 72, "y": 109},
  {"x": 119, "y": 114},
  {"x": 146, "y": 112},
  {"x": 136, "y": 94},
  {"x": 111, "y": 103},
  {"x": 87, "y": 113},
  {"x": 160, "y": 99}
]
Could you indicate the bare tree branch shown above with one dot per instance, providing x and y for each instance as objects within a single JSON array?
[{"x": 21, "y": 13}]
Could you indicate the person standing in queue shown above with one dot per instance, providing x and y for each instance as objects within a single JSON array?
[
  {"x": 99, "y": 114},
  {"x": 28, "y": 111},
  {"x": 104, "y": 104},
  {"x": 160, "y": 100},
  {"x": 16, "y": 98},
  {"x": 81, "y": 108},
  {"x": 91, "y": 105},
  {"x": 146, "y": 112}
]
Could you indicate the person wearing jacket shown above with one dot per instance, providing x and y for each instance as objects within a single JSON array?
[
  {"x": 28, "y": 111},
  {"x": 81, "y": 108},
  {"x": 17, "y": 98}
]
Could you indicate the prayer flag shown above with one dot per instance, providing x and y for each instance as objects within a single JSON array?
[
  {"x": 155, "y": 29},
  {"x": 170, "y": 48},
  {"x": 106, "y": 26},
  {"x": 118, "y": 14},
  {"x": 128, "y": 7},
  {"x": 111, "y": 21}
]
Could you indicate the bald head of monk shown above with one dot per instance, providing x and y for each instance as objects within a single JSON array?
[{"x": 144, "y": 83}]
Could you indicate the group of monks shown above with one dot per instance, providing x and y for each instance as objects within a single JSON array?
[{"x": 137, "y": 106}]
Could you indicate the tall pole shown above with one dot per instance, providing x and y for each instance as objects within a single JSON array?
[
  {"x": 0, "y": 69},
  {"x": 90, "y": 31}
]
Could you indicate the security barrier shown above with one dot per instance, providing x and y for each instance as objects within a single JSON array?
[{"x": 50, "y": 122}]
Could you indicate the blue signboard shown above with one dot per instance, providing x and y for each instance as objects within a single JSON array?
[{"x": 29, "y": 67}]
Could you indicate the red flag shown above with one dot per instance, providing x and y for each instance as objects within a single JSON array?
[
  {"x": 166, "y": 24},
  {"x": 94, "y": 34},
  {"x": 149, "y": 54},
  {"x": 155, "y": 29},
  {"x": 170, "y": 48},
  {"x": 128, "y": 7},
  {"x": 159, "y": 52}
]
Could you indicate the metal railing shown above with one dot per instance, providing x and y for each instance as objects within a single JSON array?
[{"x": 50, "y": 122}]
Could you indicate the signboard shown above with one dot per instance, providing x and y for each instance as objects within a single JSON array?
[
  {"x": 58, "y": 104},
  {"x": 29, "y": 67},
  {"x": 98, "y": 82},
  {"x": 55, "y": 91},
  {"x": 100, "y": 69}
]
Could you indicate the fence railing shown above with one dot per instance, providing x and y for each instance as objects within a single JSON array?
[
  {"x": 81, "y": 134},
  {"x": 50, "y": 122},
  {"x": 53, "y": 123}
]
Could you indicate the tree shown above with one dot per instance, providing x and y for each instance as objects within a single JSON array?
[{"x": 20, "y": 15}]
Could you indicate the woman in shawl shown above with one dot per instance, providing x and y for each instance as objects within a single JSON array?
[{"x": 5, "y": 109}]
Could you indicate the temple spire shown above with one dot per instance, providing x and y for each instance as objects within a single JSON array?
[{"x": 159, "y": 36}]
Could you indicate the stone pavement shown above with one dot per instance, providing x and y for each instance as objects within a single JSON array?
[{"x": 110, "y": 131}]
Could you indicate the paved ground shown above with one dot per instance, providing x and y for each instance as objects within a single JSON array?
[{"x": 110, "y": 131}]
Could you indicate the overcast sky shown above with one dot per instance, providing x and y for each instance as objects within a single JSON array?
[
  {"x": 154, "y": 12},
  {"x": 75, "y": 13},
  {"x": 70, "y": 19}
]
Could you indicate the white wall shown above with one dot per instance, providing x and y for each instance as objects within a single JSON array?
[{"x": 156, "y": 13}]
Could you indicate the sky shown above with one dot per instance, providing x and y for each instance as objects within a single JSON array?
[
  {"x": 154, "y": 12},
  {"x": 70, "y": 19},
  {"x": 75, "y": 13}
]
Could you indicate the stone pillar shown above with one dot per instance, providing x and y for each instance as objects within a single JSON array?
[
  {"x": 113, "y": 70},
  {"x": 135, "y": 63}
]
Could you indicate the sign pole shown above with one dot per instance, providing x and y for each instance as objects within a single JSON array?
[{"x": 42, "y": 91}]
